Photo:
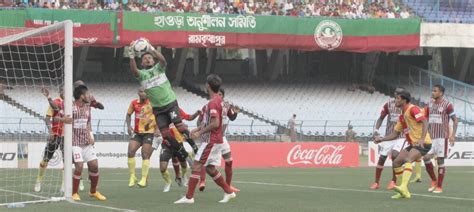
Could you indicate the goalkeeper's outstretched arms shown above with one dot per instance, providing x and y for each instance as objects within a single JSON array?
[
  {"x": 158, "y": 56},
  {"x": 133, "y": 63}
]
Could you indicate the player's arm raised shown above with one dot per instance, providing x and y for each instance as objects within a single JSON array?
[
  {"x": 51, "y": 102},
  {"x": 133, "y": 63},
  {"x": 158, "y": 55}
]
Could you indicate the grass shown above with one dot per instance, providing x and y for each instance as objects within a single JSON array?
[{"x": 279, "y": 189}]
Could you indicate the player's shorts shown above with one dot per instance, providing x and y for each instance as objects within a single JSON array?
[
  {"x": 167, "y": 114},
  {"x": 387, "y": 146},
  {"x": 167, "y": 153},
  {"x": 143, "y": 138},
  {"x": 423, "y": 150},
  {"x": 439, "y": 148},
  {"x": 83, "y": 154},
  {"x": 52, "y": 146},
  {"x": 225, "y": 146},
  {"x": 209, "y": 154}
]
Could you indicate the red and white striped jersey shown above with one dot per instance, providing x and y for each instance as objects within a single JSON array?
[
  {"x": 393, "y": 113},
  {"x": 81, "y": 114},
  {"x": 438, "y": 113}
]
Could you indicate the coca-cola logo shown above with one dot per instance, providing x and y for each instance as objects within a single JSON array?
[{"x": 325, "y": 155}]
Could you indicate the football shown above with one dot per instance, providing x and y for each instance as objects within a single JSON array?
[{"x": 141, "y": 46}]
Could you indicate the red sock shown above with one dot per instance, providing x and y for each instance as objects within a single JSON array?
[
  {"x": 430, "y": 170},
  {"x": 192, "y": 183},
  {"x": 176, "y": 167},
  {"x": 378, "y": 173},
  {"x": 441, "y": 172},
  {"x": 76, "y": 179},
  {"x": 203, "y": 175},
  {"x": 94, "y": 177},
  {"x": 217, "y": 177},
  {"x": 394, "y": 176},
  {"x": 228, "y": 172}
]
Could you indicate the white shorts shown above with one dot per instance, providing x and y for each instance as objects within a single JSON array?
[
  {"x": 209, "y": 154},
  {"x": 225, "y": 146},
  {"x": 386, "y": 147},
  {"x": 439, "y": 147},
  {"x": 83, "y": 154}
]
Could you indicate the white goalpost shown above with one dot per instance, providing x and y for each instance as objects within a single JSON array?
[{"x": 32, "y": 59}]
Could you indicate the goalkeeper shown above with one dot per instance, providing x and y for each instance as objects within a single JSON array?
[{"x": 162, "y": 97}]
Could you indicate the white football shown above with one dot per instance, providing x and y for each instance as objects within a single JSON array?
[{"x": 141, "y": 46}]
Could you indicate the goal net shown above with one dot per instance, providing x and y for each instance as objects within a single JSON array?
[{"x": 33, "y": 60}]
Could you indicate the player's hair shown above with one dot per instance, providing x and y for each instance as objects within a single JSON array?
[
  {"x": 222, "y": 91},
  {"x": 79, "y": 82},
  {"x": 79, "y": 91},
  {"x": 440, "y": 87},
  {"x": 214, "y": 82},
  {"x": 405, "y": 95},
  {"x": 146, "y": 54}
]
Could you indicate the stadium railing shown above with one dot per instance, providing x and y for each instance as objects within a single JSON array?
[{"x": 246, "y": 130}]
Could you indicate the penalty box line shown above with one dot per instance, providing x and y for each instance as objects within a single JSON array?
[{"x": 346, "y": 189}]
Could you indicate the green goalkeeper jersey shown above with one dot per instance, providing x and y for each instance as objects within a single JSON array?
[{"x": 157, "y": 86}]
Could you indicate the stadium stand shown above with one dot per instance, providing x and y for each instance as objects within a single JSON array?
[{"x": 452, "y": 11}]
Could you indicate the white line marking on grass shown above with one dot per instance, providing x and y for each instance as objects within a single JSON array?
[
  {"x": 101, "y": 206},
  {"x": 348, "y": 189}
]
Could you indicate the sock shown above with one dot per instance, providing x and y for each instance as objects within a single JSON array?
[
  {"x": 94, "y": 177},
  {"x": 176, "y": 167},
  {"x": 193, "y": 181},
  {"x": 166, "y": 176},
  {"x": 398, "y": 174},
  {"x": 145, "y": 168},
  {"x": 394, "y": 176},
  {"x": 131, "y": 166},
  {"x": 219, "y": 180},
  {"x": 407, "y": 171},
  {"x": 41, "y": 170},
  {"x": 228, "y": 172},
  {"x": 430, "y": 170},
  {"x": 76, "y": 178},
  {"x": 184, "y": 168},
  {"x": 378, "y": 173},
  {"x": 418, "y": 169},
  {"x": 441, "y": 172},
  {"x": 203, "y": 176}
]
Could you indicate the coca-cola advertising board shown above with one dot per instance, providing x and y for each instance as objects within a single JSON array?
[{"x": 298, "y": 154}]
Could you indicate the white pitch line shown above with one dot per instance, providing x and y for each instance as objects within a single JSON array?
[
  {"x": 101, "y": 206},
  {"x": 22, "y": 193},
  {"x": 346, "y": 189}
]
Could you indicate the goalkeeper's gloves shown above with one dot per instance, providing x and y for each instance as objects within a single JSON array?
[{"x": 131, "y": 53}]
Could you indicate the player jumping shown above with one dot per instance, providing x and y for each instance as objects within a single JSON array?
[
  {"x": 415, "y": 125},
  {"x": 439, "y": 111},
  {"x": 209, "y": 153},
  {"x": 229, "y": 112},
  {"x": 83, "y": 144},
  {"x": 393, "y": 147},
  {"x": 142, "y": 136},
  {"x": 162, "y": 97}
]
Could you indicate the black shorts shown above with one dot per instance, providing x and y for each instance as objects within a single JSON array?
[
  {"x": 167, "y": 153},
  {"x": 143, "y": 138},
  {"x": 423, "y": 150},
  {"x": 52, "y": 146},
  {"x": 167, "y": 115}
]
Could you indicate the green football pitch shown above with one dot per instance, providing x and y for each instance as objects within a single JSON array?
[{"x": 277, "y": 189}]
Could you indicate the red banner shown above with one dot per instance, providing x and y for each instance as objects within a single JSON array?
[{"x": 300, "y": 154}]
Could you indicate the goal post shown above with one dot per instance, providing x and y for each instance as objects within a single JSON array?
[{"x": 32, "y": 59}]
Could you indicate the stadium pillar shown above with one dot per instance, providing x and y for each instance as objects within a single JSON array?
[
  {"x": 195, "y": 61},
  {"x": 447, "y": 61},
  {"x": 81, "y": 61},
  {"x": 464, "y": 59},
  {"x": 211, "y": 61},
  {"x": 275, "y": 65},
  {"x": 253, "y": 63},
  {"x": 261, "y": 62},
  {"x": 180, "y": 63}
]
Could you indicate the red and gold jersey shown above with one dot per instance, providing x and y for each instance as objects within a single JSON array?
[
  {"x": 143, "y": 115},
  {"x": 410, "y": 124},
  {"x": 438, "y": 113},
  {"x": 57, "y": 126}
]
